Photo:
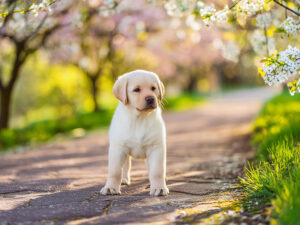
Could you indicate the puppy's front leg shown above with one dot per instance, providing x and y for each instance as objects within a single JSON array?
[
  {"x": 126, "y": 171},
  {"x": 157, "y": 172},
  {"x": 116, "y": 158}
]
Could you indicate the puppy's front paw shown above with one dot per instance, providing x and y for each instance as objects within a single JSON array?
[
  {"x": 109, "y": 190},
  {"x": 159, "y": 191},
  {"x": 125, "y": 181}
]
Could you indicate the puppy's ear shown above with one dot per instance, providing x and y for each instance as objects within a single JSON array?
[
  {"x": 120, "y": 89},
  {"x": 161, "y": 89}
]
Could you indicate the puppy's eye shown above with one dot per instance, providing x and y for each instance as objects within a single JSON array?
[
  {"x": 153, "y": 88},
  {"x": 137, "y": 90}
]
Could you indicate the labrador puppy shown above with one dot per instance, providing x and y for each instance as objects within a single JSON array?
[{"x": 137, "y": 130}]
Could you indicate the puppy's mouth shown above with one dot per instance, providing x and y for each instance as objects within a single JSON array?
[{"x": 147, "y": 108}]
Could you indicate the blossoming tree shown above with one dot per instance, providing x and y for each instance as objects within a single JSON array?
[
  {"x": 274, "y": 22},
  {"x": 97, "y": 49},
  {"x": 273, "y": 27},
  {"x": 25, "y": 26}
]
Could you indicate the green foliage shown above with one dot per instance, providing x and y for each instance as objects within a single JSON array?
[
  {"x": 265, "y": 180},
  {"x": 183, "y": 101},
  {"x": 45, "y": 130},
  {"x": 287, "y": 204},
  {"x": 279, "y": 119},
  {"x": 276, "y": 175}
]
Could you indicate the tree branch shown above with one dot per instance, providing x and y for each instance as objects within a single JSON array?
[
  {"x": 276, "y": 1},
  {"x": 3, "y": 33},
  {"x": 111, "y": 46},
  {"x": 1, "y": 83},
  {"x": 282, "y": 5},
  {"x": 237, "y": 2},
  {"x": 11, "y": 37},
  {"x": 6, "y": 19},
  {"x": 17, "y": 64},
  {"x": 8, "y": 16},
  {"x": 267, "y": 41},
  {"x": 42, "y": 41},
  {"x": 38, "y": 27},
  {"x": 25, "y": 10}
]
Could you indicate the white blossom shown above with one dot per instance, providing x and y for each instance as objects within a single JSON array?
[
  {"x": 290, "y": 26},
  {"x": 230, "y": 51},
  {"x": 263, "y": 20},
  {"x": 172, "y": 9},
  {"x": 107, "y": 8},
  {"x": 282, "y": 67},
  {"x": 259, "y": 43},
  {"x": 221, "y": 16},
  {"x": 36, "y": 8},
  {"x": 200, "y": 4},
  {"x": 276, "y": 70},
  {"x": 250, "y": 7},
  {"x": 207, "y": 11},
  {"x": 21, "y": 25},
  {"x": 192, "y": 23},
  {"x": 207, "y": 14}
]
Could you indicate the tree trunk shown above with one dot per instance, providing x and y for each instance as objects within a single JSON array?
[
  {"x": 5, "y": 107},
  {"x": 94, "y": 90},
  {"x": 6, "y": 91},
  {"x": 191, "y": 85}
]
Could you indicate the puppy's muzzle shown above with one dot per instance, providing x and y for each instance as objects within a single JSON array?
[{"x": 150, "y": 102}]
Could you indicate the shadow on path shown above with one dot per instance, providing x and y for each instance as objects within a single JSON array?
[{"x": 207, "y": 150}]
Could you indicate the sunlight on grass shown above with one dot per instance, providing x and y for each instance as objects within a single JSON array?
[{"x": 275, "y": 176}]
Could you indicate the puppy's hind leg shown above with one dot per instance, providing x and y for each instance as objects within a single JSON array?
[{"x": 126, "y": 171}]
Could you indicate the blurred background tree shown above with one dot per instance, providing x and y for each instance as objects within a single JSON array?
[
  {"x": 59, "y": 59},
  {"x": 22, "y": 36}
]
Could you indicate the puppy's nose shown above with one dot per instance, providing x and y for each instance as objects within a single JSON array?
[{"x": 149, "y": 100}]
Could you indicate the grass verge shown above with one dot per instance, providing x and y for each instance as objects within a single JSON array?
[
  {"x": 77, "y": 125},
  {"x": 274, "y": 177},
  {"x": 183, "y": 101}
]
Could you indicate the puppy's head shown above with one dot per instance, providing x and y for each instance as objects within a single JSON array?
[{"x": 139, "y": 89}]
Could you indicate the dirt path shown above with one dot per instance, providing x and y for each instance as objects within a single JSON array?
[{"x": 207, "y": 149}]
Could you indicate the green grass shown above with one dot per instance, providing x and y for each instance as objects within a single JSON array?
[
  {"x": 77, "y": 125},
  {"x": 275, "y": 176},
  {"x": 43, "y": 131},
  {"x": 183, "y": 101},
  {"x": 234, "y": 87}
]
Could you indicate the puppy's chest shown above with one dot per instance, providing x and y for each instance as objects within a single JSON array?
[{"x": 138, "y": 144}]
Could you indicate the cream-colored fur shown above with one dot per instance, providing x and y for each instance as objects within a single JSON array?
[{"x": 137, "y": 130}]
